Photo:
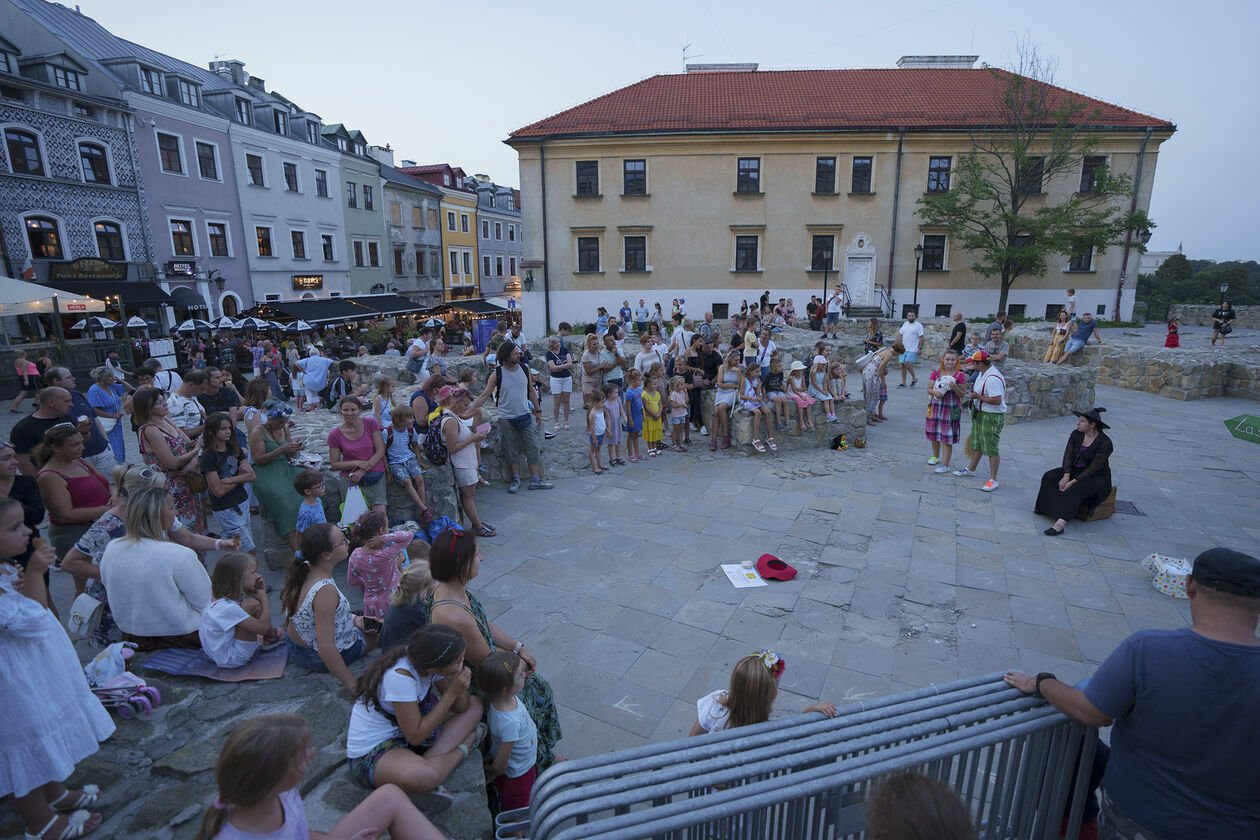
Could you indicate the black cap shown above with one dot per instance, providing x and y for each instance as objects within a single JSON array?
[{"x": 1226, "y": 570}]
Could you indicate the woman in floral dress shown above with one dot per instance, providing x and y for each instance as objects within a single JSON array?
[{"x": 165, "y": 447}]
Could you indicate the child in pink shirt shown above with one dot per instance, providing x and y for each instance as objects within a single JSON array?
[{"x": 376, "y": 561}]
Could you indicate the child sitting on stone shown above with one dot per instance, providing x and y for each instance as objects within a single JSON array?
[{"x": 310, "y": 485}]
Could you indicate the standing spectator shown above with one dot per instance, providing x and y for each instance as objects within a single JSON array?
[
  {"x": 271, "y": 364},
  {"x": 165, "y": 447},
  {"x": 560, "y": 367},
  {"x": 834, "y": 307},
  {"x": 657, "y": 317},
  {"x": 111, "y": 401},
  {"x": 1174, "y": 774},
  {"x": 592, "y": 375},
  {"x": 997, "y": 347},
  {"x": 1086, "y": 327},
  {"x": 520, "y": 416},
  {"x": 999, "y": 322},
  {"x": 624, "y": 312},
  {"x": 1058, "y": 337},
  {"x": 766, "y": 349},
  {"x": 96, "y": 449},
  {"x": 1222, "y": 323},
  {"x": 601, "y": 321},
  {"x": 494, "y": 342},
  {"x": 227, "y": 472},
  {"x": 112, "y": 362},
  {"x": 221, "y": 395},
  {"x": 958, "y": 334},
  {"x": 514, "y": 336},
  {"x": 28, "y": 380},
  {"x": 814, "y": 311},
  {"x": 641, "y": 317},
  {"x": 461, "y": 446},
  {"x": 874, "y": 338},
  {"x": 52, "y": 410},
  {"x": 1071, "y": 305},
  {"x": 256, "y": 356},
  {"x": 912, "y": 339},
  {"x": 1172, "y": 339},
  {"x": 612, "y": 363},
  {"x": 183, "y": 407},
  {"x": 314, "y": 372},
  {"x": 989, "y": 390},
  {"x": 944, "y": 417}
]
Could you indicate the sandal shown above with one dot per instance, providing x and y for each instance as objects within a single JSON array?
[
  {"x": 758, "y": 445},
  {"x": 75, "y": 827},
  {"x": 598, "y": 470},
  {"x": 481, "y": 482},
  {"x": 426, "y": 516},
  {"x": 726, "y": 441},
  {"x": 713, "y": 444},
  {"x": 770, "y": 443},
  {"x": 678, "y": 448},
  {"x": 486, "y": 531},
  {"x": 651, "y": 453},
  {"x": 88, "y": 795},
  {"x": 618, "y": 463}
]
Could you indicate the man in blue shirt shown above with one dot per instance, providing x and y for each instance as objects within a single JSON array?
[
  {"x": 640, "y": 317},
  {"x": 1182, "y": 702},
  {"x": 1085, "y": 327},
  {"x": 96, "y": 449},
  {"x": 624, "y": 312}
]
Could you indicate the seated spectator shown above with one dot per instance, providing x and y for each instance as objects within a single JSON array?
[
  {"x": 236, "y": 624},
  {"x": 157, "y": 589},
  {"x": 25, "y": 490},
  {"x": 406, "y": 613},
  {"x": 997, "y": 347},
  {"x": 73, "y": 492},
  {"x": 1083, "y": 478}
]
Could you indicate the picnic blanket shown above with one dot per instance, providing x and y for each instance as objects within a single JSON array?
[{"x": 267, "y": 665}]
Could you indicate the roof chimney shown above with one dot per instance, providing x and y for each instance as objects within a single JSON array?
[
  {"x": 722, "y": 68},
  {"x": 232, "y": 70},
  {"x": 382, "y": 154},
  {"x": 408, "y": 163},
  {"x": 257, "y": 83},
  {"x": 951, "y": 62}
]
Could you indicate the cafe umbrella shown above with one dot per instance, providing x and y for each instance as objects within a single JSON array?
[
  {"x": 95, "y": 322},
  {"x": 193, "y": 324},
  {"x": 298, "y": 326},
  {"x": 252, "y": 323},
  {"x": 223, "y": 323}
]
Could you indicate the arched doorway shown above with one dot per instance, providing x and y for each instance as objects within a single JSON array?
[{"x": 230, "y": 305}]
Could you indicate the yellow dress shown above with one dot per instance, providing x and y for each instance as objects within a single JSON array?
[
  {"x": 1058, "y": 338},
  {"x": 653, "y": 431}
]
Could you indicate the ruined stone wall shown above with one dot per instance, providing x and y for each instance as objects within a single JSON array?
[{"x": 1201, "y": 316}]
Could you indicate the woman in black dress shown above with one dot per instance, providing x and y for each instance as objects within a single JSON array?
[{"x": 1084, "y": 478}]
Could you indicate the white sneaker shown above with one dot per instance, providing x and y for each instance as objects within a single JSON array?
[
  {"x": 941, "y": 470},
  {"x": 963, "y": 471},
  {"x": 704, "y": 430},
  {"x": 989, "y": 486}
]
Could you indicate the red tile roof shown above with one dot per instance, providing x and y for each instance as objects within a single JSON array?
[{"x": 811, "y": 100}]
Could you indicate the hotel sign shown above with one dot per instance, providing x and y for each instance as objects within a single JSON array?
[
  {"x": 307, "y": 282},
  {"x": 182, "y": 269}
]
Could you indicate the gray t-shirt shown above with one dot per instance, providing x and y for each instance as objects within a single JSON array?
[
  {"x": 513, "y": 392},
  {"x": 997, "y": 348}
]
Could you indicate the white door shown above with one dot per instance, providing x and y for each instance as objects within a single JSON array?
[{"x": 859, "y": 271}]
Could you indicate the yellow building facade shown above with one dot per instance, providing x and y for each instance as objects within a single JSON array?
[{"x": 458, "y": 219}]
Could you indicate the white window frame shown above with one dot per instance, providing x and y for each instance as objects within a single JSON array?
[
  {"x": 312, "y": 132},
  {"x": 945, "y": 256},
  {"x": 761, "y": 250},
  {"x": 511, "y": 233},
  {"x": 453, "y": 265},
  {"x": 157, "y": 88},
  {"x": 193, "y": 89},
  {"x": 109, "y": 159},
  {"x": 271, "y": 235},
  {"x": 647, "y": 251},
  {"x": 358, "y": 253},
  {"x": 498, "y": 266},
  {"x": 157, "y": 148},
  {"x": 485, "y": 228},
  {"x": 240, "y": 305},
  {"x": 332, "y": 240},
  {"x": 874, "y": 171},
  {"x": 262, "y": 157},
  {"x": 373, "y": 247},
  {"x": 450, "y": 221},
  {"x": 280, "y": 118},
  {"x": 498, "y": 231},
  {"x": 325, "y": 193},
  {"x": 218, "y": 160},
  {"x": 297, "y": 172},
  {"x": 192, "y": 231},
  {"x": 227, "y": 237},
  {"x": 512, "y": 266},
  {"x": 598, "y": 236},
  {"x": 122, "y": 231},
  {"x": 237, "y": 102},
  {"x": 464, "y": 220},
  {"x": 305, "y": 245},
  {"x": 61, "y": 232},
  {"x": 1093, "y": 263},
  {"x": 69, "y": 74},
  {"x": 467, "y": 261}
]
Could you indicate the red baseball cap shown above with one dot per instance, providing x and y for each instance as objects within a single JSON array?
[{"x": 769, "y": 566}]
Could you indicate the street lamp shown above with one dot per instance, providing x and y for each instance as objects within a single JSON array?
[
  {"x": 825, "y": 253},
  {"x": 1224, "y": 289},
  {"x": 217, "y": 278},
  {"x": 918, "y": 260},
  {"x": 1145, "y": 235}
]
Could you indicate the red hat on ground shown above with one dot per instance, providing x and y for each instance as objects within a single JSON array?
[{"x": 769, "y": 566}]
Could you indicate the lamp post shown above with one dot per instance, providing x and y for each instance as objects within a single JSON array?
[
  {"x": 825, "y": 252},
  {"x": 122, "y": 319},
  {"x": 918, "y": 260},
  {"x": 1224, "y": 289}
]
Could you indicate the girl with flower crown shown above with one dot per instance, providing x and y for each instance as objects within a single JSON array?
[{"x": 750, "y": 698}]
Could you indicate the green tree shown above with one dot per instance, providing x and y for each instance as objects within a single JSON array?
[
  {"x": 996, "y": 209},
  {"x": 1169, "y": 282}
]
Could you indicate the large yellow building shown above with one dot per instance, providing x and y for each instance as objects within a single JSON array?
[
  {"x": 716, "y": 186},
  {"x": 458, "y": 212}
]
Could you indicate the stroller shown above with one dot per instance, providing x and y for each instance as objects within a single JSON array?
[{"x": 116, "y": 687}]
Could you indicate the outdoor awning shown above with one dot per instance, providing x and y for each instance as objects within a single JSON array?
[
  {"x": 182, "y": 297},
  {"x": 389, "y": 304},
  {"x": 319, "y": 311},
  {"x": 477, "y": 306},
  {"x": 18, "y": 297},
  {"x": 139, "y": 293}
]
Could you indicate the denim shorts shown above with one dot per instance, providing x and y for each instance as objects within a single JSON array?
[
  {"x": 833, "y": 317},
  {"x": 233, "y": 523},
  {"x": 1073, "y": 345},
  {"x": 405, "y": 470},
  {"x": 596, "y": 440},
  {"x": 309, "y": 659}
]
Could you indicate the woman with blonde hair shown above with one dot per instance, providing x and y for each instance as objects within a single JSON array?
[{"x": 405, "y": 615}]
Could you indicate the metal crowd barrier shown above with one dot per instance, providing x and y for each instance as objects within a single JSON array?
[{"x": 1010, "y": 757}]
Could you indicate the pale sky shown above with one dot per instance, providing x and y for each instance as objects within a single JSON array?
[{"x": 447, "y": 82}]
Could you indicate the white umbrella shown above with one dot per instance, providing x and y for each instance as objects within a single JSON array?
[
  {"x": 96, "y": 322},
  {"x": 434, "y": 322},
  {"x": 276, "y": 325},
  {"x": 224, "y": 323},
  {"x": 137, "y": 321},
  {"x": 298, "y": 327},
  {"x": 191, "y": 325},
  {"x": 252, "y": 323}
]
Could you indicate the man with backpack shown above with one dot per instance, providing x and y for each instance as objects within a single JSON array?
[{"x": 520, "y": 416}]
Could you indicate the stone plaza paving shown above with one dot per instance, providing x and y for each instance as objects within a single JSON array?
[{"x": 906, "y": 578}]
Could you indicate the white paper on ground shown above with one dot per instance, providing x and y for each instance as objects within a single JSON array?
[{"x": 742, "y": 578}]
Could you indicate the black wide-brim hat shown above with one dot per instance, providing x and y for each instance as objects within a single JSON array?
[{"x": 1092, "y": 414}]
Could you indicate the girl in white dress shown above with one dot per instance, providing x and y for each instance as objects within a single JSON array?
[
  {"x": 750, "y": 698},
  {"x": 51, "y": 719}
]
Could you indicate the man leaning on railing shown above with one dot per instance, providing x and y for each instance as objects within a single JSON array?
[{"x": 1182, "y": 705}]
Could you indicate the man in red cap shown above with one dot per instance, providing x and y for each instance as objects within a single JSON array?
[
  {"x": 989, "y": 390},
  {"x": 1182, "y": 705}
]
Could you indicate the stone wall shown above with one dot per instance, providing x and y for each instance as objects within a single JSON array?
[{"x": 1201, "y": 316}]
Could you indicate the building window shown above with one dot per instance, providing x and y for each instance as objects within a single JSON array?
[
  {"x": 326, "y": 242},
  {"x": 280, "y": 121},
  {"x": 463, "y": 222},
  {"x": 450, "y": 220},
  {"x": 150, "y": 81},
  {"x": 254, "y": 166},
  {"x": 374, "y": 254},
  {"x": 498, "y": 266},
  {"x": 352, "y": 194},
  {"x": 748, "y": 175},
  {"x": 491, "y": 198},
  {"x": 67, "y": 79},
  {"x": 512, "y": 266},
  {"x": 43, "y": 237},
  {"x": 511, "y": 233},
  {"x": 454, "y": 264},
  {"x": 822, "y": 252},
  {"x": 24, "y": 156},
  {"x": 862, "y": 167},
  {"x": 290, "y": 177},
  {"x": 312, "y": 133},
  {"x": 943, "y": 310},
  {"x": 587, "y": 177},
  {"x": 109, "y": 242},
  {"x": 95, "y": 164},
  {"x": 188, "y": 94},
  {"x": 419, "y": 261},
  {"x": 218, "y": 239},
  {"x": 321, "y": 183},
  {"x": 433, "y": 218},
  {"x": 468, "y": 264},
  {"x": 398, "y": 262},
  {"x": 485, "y": 229},
  {"x": 1089, "y": 173},
  {"x": 263, "y": 234},
  {"x": 299, "y": 244},
  {"x": 417, "y": 217},
  {"x": 509, "y": 203},
  {"x": 356, "y": 248},
  {"x": 395, "y": 213},
  {"x": 933, "y": 252},
  {"x": 169, "y": 153},
  {"x": 1082, "y": 258},
  {"x": 1029, "y": 176},
  {"x": 243, "y": 111},
  {"x": 368, "y": 198},
  {"x": 182, "y": 244},
  {"x": 938, "y": 174},
  {"x": 746, "y": 253},
  {"x": 588, "y": 253},
  {"x": 207, "y": 164},
  {"x": 498, "y": 230},
  {"x": 825, "y": 175},
  {"x": 485, "y": 266},
  {"x": 636, "y": 253},
  {"x": 634, "y": 177},
  {"x": 81, "y": 110}
]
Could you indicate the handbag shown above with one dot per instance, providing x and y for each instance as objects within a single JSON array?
[
  {"x": 354, "y": 507},
  {"x": 85, "y": 616},
  {"x": 107, "y": 423},
  {"x": 197, "y": 483}
]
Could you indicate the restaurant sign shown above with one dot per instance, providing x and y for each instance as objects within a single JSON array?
[
  {"x": 87, "y": 268},
  {"x": 307, "y": 282}
]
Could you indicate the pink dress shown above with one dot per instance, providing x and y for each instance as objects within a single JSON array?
[{"x": 376, "y": 572}]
